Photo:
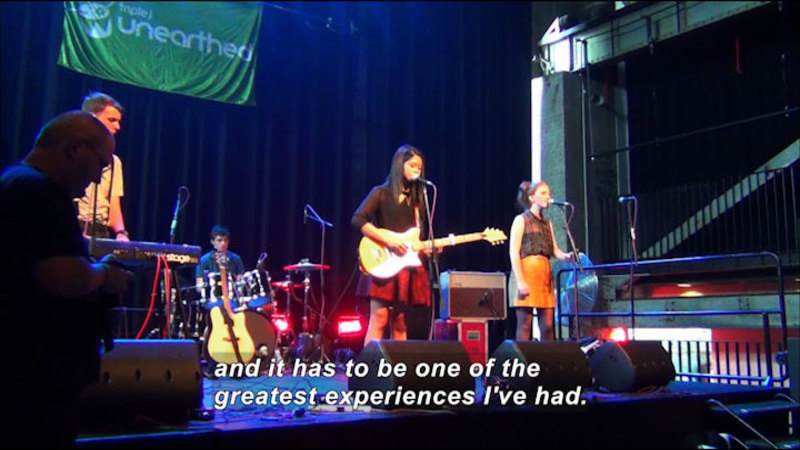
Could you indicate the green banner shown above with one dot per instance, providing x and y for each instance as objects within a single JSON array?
[{"x": 200, "y": 49}]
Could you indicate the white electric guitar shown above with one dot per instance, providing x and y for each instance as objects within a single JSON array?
[{"x": 377, "y": 260}]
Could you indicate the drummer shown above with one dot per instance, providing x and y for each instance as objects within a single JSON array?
[{"x": 220, "y": 238}]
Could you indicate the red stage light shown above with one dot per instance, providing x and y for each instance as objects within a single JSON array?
[
  {"x": 281, "y": 322},
  {"x": 349, "y": 326},
  {"x": 618, "y": 334}
]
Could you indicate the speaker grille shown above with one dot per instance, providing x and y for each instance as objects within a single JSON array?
[
  {"x": 631, "y": 366},
  {"x": 473, "y": 295},
  {"x": 158, "y": 379},
  {"x": 562, "y": 365}
]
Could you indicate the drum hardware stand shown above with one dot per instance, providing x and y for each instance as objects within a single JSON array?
[
  {"x": 198, "y": 318},
  {"x": 273, "y": 299},
  {"x": 176, "y": 330},
  {"x": 185, "y": 326},
  {"x": 178, "y": 313},
  {"x": 199, "y": 312},
  {"x": 260, "y": 280},
  {"x": 306, "y": 340},
  {"x": 306, "y": 288},
  {"x": 260, "y": 284},
  {"x": 282, "y": 341},
  {"x": 289, "y": 294},
  {"x": 269, "y": 284}
]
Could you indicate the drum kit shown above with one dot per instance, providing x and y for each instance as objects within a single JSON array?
[{"x": 256, "y": 292}]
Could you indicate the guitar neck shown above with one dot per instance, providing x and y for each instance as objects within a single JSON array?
[
  {"x": 223, "y": 275},
  {"x": 448, "y": 241}
]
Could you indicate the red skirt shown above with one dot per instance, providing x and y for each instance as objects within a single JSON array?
[{"x": 409, "y": 287}]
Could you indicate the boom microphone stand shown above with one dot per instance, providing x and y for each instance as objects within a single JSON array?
[
  {"x": 174, "y": 300},
  {"x": 633, "y": 256},
  {"x": 577, "y": 257},
  {"x": 433, "y": 261},
  {"x": 323, "y": 224},
  {"x": 310, "y": 213}
]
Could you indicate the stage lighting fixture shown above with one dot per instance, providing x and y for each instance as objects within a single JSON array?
[
  {"x": 618, "y": 334},
  {"x": 281, "y": 322},
  {"x": 349, "y": 326}
]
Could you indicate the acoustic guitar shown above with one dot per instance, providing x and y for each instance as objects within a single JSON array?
[
  {"x": 379, "y": 261},
  {"x": 233, "y": 337}
]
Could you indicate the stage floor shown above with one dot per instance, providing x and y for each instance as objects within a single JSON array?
[{"x": 670, "y": 416}]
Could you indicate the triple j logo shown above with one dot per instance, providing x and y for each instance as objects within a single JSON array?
[{"x": 96, "y": 15}]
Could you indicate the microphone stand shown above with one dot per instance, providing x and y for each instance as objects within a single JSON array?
[
  {"x": 578, "y": 265},
  {"x": 174, "y": 303},
  {"x": 323, "y": 225},
  {"x": 633, "y": 256},
  {"x": 178, "y": 206},
  {"x": 433, "y": 261}
]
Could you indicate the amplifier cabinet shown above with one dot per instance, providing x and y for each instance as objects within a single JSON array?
[{"x": 473, "y": 295}]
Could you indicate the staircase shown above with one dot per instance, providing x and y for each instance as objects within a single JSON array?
[{"x": 767, "y": 423}]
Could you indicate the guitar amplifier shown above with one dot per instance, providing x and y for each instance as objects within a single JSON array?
[{"x": 473, "y": 295}]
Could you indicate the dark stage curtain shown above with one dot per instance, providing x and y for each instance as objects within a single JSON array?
[{"x": 333, "y": 103}]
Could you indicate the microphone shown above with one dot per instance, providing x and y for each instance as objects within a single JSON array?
[
  {"x": 174, "y": 224},
  {"x": 484, "y": 299},
  {"x": 305, "y": 214},
  {"x": 314, "y": 216},
  {"x": 626, "y": 198},
  {"x": 421, "y": 180},
  {"x": 560, "y": 203}
]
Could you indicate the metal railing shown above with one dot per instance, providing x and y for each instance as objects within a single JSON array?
[
  {"x": 644, "y": 269},
  {"x": 757, "y": 212},
  {"x": 731, "y": 362}
]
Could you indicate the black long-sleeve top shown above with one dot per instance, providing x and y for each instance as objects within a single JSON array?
[{"x": 386, "y": 212}]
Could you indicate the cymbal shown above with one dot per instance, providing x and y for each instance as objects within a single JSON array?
[
  {"x": 305, "y": 266},
  {"x": 286, "y": 285}
]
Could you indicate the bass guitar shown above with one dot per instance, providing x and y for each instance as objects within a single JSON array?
[{"x": 379, "y": 261}]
